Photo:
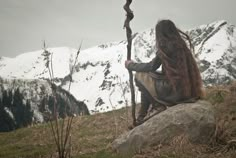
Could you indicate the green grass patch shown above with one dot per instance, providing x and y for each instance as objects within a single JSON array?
[
  {"x": 24, "y": 150},
  {"x": 103, "y": 154}
]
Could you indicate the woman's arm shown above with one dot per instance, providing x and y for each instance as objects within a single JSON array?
[{"x": 145, "y": 67}]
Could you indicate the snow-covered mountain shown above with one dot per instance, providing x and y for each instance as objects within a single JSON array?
[
  {"x": 215, "y": 47},
  {"x": 100, "y": 78},
  {"x": 32, "y": 65},
  {"x": 23, "y": 102}
]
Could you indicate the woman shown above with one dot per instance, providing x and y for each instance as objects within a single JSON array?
[{"x": 179, "y": 81}]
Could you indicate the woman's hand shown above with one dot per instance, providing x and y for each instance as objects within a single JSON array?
[{"x": 127, "y": 62}]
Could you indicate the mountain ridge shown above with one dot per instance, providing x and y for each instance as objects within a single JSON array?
[{"x": 101, "y": 80}]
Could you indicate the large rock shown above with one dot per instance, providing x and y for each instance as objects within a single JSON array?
[{"x": 196, "y": 121}]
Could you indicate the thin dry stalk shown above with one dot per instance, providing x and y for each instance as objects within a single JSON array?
[
  {"x": 61, "y": 133},
  {"x": 181, "y": 144},
  {"x": 113, "y": 114},
  {"x": 72, "y": 69},
  {"x": 125, "y": 99}
]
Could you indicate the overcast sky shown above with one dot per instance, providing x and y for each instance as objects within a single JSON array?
[{"x": 24, "y": 24}]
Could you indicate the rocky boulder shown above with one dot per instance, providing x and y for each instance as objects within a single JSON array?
[{"x": 196, "y": 121}]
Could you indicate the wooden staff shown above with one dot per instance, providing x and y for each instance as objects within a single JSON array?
[{"x": 129, "y": 17}]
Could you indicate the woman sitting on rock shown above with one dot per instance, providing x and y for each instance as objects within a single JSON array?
[{"x": 179, "y": 81}]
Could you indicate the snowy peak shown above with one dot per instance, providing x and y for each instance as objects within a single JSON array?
[
  {"x": 201, "y": 34},
  {"x": 215, "y": 48},
  {"x": 32, "y": 65}
]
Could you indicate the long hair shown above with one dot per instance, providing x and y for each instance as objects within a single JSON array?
[{"x": 178, "y": 62}]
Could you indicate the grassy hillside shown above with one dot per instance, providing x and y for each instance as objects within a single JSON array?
[{"x": 92, "y": 135}]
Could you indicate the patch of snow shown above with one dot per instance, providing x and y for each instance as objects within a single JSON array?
[{"x": 9, "y": 113}]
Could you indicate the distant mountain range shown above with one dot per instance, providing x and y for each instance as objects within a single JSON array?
[{"x": 100, "y": 79}]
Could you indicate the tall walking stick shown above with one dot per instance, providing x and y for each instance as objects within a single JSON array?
[{"x": 129, "y": 17}]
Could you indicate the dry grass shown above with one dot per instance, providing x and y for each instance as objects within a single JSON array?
[
  {"x": 92, "y": 135},
  {"x": 223, "y": 145},
  {"x": 223, "y": 99}
]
